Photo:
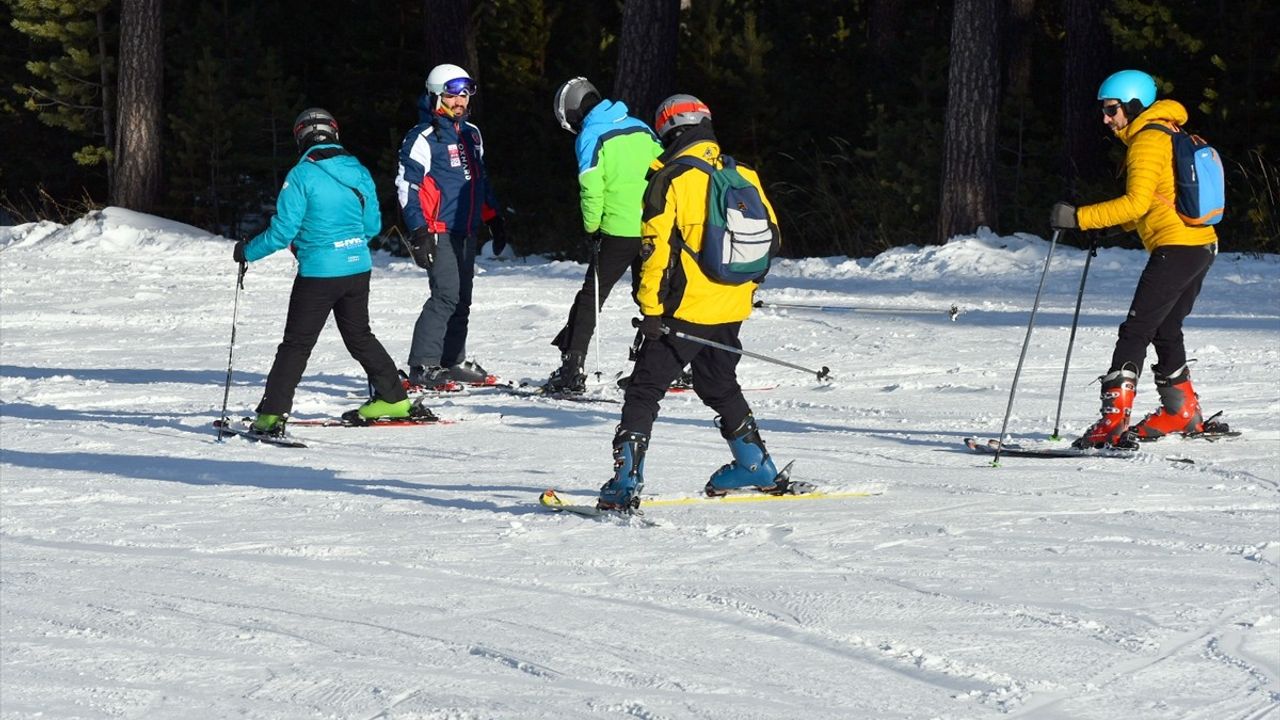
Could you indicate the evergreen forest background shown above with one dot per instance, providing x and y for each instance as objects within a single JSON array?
[{"x": 842, "y": 105}]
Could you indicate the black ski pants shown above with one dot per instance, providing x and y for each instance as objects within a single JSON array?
[
  {"x": 310, "y": 303},
  {"x": 715, "y": 375},
  {"x": 1165, "y": 295},
  {"x": 611, "y": 256}
]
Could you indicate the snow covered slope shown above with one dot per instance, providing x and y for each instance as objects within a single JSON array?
[{"x": 150, "y": 572}]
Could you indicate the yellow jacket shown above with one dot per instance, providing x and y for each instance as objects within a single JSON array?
[
  {"x": 671, "y": 283},
  {"x": 1147, "y": 203}
]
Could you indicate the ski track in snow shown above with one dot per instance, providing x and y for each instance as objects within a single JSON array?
[{"x": 151, "y": 572}]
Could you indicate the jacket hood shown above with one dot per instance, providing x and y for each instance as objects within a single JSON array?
[
  {"x": 1161, "y": 111},
  {"x": 607, "y": 111}
]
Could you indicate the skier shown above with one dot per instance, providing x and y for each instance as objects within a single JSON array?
[
  {"x": 326, "y": 213},
  {"x": 676, "y": 294},
  {"x": 445, "y": 195},
  {"x": 1180, "y": 258},
  {"x": 614, "y": 152}
]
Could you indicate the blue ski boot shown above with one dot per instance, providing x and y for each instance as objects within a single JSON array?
[
  {"x": 622, "y": 492},
  {"x": 751, "y": 469}
]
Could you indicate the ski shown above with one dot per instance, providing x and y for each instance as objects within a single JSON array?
[
  {"x": 419, "y": 414},
  {"x": 989, "y": 447},
  {"x": 550, "y": 500},
  {"x": 380, "y": 422},
  {"x": 227, "y": 427},
  {"x": 786, "y": 490},
  {"x": 537, "y": 392}
]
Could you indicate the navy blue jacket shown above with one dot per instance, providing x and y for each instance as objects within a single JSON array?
[{"x": 442, "y": 183}]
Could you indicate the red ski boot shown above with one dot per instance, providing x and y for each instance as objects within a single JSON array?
[
  {"x": 1179, "y": 411},
  {"x": 1118, "y": 389}
]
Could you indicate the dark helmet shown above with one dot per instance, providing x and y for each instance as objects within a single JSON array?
[
  {"x": 313, "y": 127},
  {"x": 573, "y": 101},
  {"x": 679, "y": 111}
]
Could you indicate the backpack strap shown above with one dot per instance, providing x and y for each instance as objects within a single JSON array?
[
  {"x": 694, "y": 162},
  {"x": 1172, "y": 133},
  {"x": 704, "y": 166},
  {"x": 1162, "y": 128}
]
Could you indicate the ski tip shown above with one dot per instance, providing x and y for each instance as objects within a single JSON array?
[{"x": 550, "y": 499}]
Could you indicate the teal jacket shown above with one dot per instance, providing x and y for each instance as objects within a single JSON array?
[
  {"x": 614, "y": 152},
  {"x": 328, "y": 211}
]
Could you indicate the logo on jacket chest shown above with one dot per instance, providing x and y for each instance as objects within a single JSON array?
[{"x": 458, "y": 158}]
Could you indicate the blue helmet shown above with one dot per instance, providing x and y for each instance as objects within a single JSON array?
[{"x": 1128, "y": 85}]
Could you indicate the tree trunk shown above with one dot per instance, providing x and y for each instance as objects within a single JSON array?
[
  {"x": 446, "y": 28},
  {"x": 1084, "y": 65},
  {"x": 137, "y": 159},
  {"x": 969, "y": 140},
  {"x": 647, "y": 55}
]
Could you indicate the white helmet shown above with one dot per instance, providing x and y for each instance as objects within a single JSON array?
[{"x": 450, "y": 78}]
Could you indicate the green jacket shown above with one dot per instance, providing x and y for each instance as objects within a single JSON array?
[{"x": 614, "y": 152}]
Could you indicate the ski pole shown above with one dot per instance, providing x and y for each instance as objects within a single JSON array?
[
  {"x": 1027, "y": 341},
  {"x": 1075, "y": 320},
  {"x": 823, "y": 374},
  {"x": 595, "y": 266},
  {"x": 235, "y": 311},
  {"x": 952, "y": 312}
]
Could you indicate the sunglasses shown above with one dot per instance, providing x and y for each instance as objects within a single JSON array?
[
  {"x": 465, "y": 87},
  {"x": 1111, "y": 110}
]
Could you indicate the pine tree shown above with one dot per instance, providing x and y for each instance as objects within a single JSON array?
[{"x": 70, "y": 86}]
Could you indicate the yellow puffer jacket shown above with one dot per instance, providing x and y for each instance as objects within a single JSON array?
[
  {"x": 675, "y": 207},
  {"x": 1147, "y": 203}
]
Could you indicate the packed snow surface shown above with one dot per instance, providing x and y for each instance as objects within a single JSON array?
[{"x": 151, "y": 572}]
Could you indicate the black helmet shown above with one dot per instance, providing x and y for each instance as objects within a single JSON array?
[
  {"x": 313, "y": 127},
  {"x": 573, "y": 101}
]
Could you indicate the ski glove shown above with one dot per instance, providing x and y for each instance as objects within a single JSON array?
[
  {"x": 651, "y": 327},
  {"x": 498, "y": 233},
  {"x": 1063, "y": 217},
  {"x": 237, "y": 253},
  {"x": 422, "y": 247}
]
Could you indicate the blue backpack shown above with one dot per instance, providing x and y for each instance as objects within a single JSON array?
[
  {"x": 1200, "y": 182},
  {"x": 739, "y": 240}
]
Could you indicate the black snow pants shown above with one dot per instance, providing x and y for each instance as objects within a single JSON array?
[
  {"x": 310, "y": 303},
  {"x": 614, "y": 255},
  {"x": 715, "y": 375},
  {"x": 1165, "y": 295}
]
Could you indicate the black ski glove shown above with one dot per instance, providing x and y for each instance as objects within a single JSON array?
[
  {"x": 237, "y": 253},
  {"x": 651, "y": 327},
  {"x": 1063, "y": 217},
  {"x": 498, "y": 233},
  {"x": 421, "y": 245}
]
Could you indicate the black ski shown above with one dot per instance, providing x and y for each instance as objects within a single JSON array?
[
  {"x": 226, "y": 427},
  {"x": 988, "y": 447}
]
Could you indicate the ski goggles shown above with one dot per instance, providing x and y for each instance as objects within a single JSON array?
[
  {"x": 465, "y": 87},
  {"x": 1111, "y": 110}
]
